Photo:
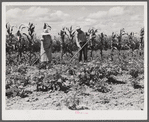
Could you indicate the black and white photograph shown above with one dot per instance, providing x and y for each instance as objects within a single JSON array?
[{"x": 74, "y": 60}]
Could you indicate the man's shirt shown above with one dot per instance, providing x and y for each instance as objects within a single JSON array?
[{"x": 81, "y": 37}]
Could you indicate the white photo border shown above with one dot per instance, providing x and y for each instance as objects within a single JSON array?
[{"x": 68, "y": 114}]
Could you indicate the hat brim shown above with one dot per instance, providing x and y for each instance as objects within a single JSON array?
[
  {"x": 78, "y": 29},
  {"x": 45, "y": 33}
]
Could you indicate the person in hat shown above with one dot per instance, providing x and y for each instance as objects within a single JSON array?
[
  {"x": 46, "y": 46},
  {"x": 80, "y": 41}
]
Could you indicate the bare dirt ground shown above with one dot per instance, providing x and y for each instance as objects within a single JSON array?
[{"x": 112, "y": 86}]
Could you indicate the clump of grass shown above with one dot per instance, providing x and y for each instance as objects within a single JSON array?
[
  {"x": 135, "y": 81},
  {"x": 134, "y": 73}
]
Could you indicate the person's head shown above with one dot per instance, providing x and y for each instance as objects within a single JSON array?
[
  {"x": 78, "y": 28},
  {"x": 46, "y": 30}
]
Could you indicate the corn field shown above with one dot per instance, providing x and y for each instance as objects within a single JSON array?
[{"x": 113, "y": 74}]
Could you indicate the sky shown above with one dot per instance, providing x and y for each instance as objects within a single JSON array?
[{"x": 106, "y": 19}]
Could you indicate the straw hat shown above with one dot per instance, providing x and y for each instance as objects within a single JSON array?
[
  {"x": 78, "y": 28},
  {"x": 46, "y": 27},
  {"x": 46, "y": 30}
]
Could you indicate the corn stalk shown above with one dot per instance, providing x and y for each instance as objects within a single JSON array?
[
  {"x": 31, "y": 29},
  {"x": 65, "y": 47},
  {"x": 102, "y": 36},
  {"x": 20, "y": 41},
  {"x": 9, "y": 29},
  {"x": 118, "y": 44},
  {"x": 92, "y": 35},
  {"x": 71, "y": 33},
  {"x": 142, "y": 36}
]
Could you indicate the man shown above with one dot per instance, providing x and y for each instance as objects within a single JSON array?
[
  {"x": 80, "y": 41},
  {"x": 46, "y": 46}
]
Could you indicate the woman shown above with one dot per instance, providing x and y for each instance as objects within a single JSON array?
[{"x": 46, "y": 48}]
